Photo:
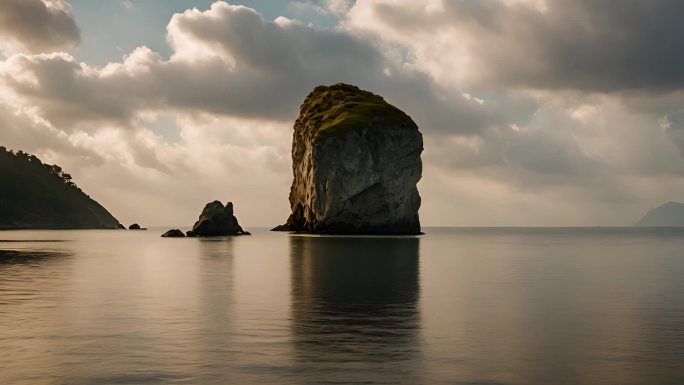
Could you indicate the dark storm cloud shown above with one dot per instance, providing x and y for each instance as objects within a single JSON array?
[
  {"x": 588, "y": 45},
  {"x": 38, "y": 26}
]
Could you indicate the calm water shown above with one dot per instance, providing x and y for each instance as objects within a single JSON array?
[{"x": 456, "y": 306}]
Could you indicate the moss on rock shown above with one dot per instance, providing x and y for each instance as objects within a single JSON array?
[{"x": 340, "y": 108}]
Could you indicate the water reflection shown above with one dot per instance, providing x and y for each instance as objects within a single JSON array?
[
  {"x": 11, "y": 257},
  {"x": 355, "y": 308},
  {"x": 215, "y": 294},
  {"x": 20, "y": 270}
]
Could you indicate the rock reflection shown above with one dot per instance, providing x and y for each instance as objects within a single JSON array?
[
  {"x": 215, "y": 280},
  {"x": 355, "y": 308},
  {"x": 20, "y": 257},
  {"x": 216, "y": 247},
  {"x": 21, "y": 272}
]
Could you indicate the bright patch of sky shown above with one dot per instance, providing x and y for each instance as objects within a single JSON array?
[
  {"x": 112, "y": 29},
  {"x": 166, "y": 127}
]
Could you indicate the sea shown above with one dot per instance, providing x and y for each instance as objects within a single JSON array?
[{"x": 454, "y": 306}]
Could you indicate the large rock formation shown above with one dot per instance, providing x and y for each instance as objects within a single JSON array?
[
  {"x": 356, "y": 163},
  {"x": 35, "y": 195},
  {"x": 216, "y": 220},
  {"x": 670, "y": 214}
]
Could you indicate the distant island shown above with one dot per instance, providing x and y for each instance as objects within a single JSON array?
[
  {"x": 356, "y": 162},
  {"x": 670, "y": 214},
  {"x": 35, "y": 195}
]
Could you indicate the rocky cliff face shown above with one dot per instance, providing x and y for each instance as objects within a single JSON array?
[{"x": 356, "y": 163}]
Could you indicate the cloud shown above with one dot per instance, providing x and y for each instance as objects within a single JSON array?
[
  {"x": 36, "y": 26},
  {"x": 587, "y": 45},
  {"x": 516, "y": 131},
  {"x": 141, "y": 177},
  {"x": 127, "y": 4},
  {"x": 601, "y": 139},
  {"x": 229, "y": 61}
]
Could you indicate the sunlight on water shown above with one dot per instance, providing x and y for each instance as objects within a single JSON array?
[{"x": 458, "y": 306}]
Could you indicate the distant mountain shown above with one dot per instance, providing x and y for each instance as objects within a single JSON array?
[
  {"x": 34, "y": 195},
  {"x": 670, "y": 214}
]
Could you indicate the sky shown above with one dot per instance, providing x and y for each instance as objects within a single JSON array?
[{"x": 533, "y": 112}]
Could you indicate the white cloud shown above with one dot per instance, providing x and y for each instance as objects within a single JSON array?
[
  {"x": 230, "y": 61},
  {"x": 127, "y": 4}
]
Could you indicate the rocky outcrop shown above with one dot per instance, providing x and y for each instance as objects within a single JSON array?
[
  {"x": 356, "y": 162},
  {"x": 216, "y": 220},
  {"x": 174, "y": 233},
  {"x": 37, "y": 195},
  {"x": 134, "y": 226},
  {"x": 670, "y": 214}
]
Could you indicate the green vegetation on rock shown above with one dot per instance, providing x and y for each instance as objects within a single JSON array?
[
  {"x": 35, "y": 195},
  {"x": 338, "y": 109}
]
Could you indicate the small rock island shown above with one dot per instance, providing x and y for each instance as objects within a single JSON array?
[
  {"x": 173, "y": 233},
  {"x": 215, "y": 220},
  {"x": 356, "y": 162}
]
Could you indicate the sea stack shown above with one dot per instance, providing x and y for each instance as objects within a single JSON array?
[
  {"x": 356, "y": 162},
  {"x": 217, "y": 220}
]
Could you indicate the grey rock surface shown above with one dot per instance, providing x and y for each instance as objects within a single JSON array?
[{"x": 356, "y": 162}]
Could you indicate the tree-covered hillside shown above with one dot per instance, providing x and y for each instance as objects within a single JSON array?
[{"x": 34, "y": 195}]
